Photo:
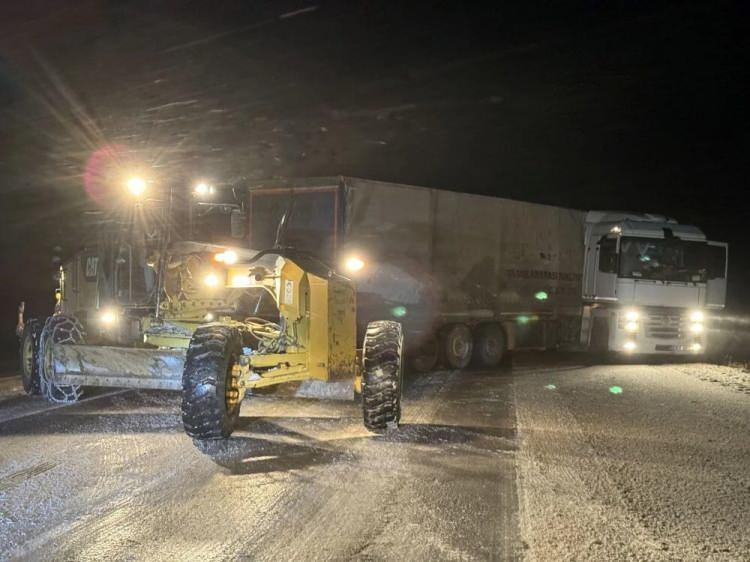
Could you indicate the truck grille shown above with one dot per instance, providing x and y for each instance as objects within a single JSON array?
[{"x": 666, "y": 326}]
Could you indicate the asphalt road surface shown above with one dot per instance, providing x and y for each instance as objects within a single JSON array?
[{"x": 556, "y": 460}]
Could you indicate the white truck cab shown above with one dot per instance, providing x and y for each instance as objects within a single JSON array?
[{"x": 649, "y": 284}]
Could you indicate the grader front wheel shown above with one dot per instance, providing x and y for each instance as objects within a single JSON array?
[
  {"x": 210, "y": 399},
  {"x": 58, "y": 330},
  {"x": 382, "y": 374}
]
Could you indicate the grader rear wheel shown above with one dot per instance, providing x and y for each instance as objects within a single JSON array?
[
  {"x": 210, "y": 396},
  {"x": 382, "y": 374}
]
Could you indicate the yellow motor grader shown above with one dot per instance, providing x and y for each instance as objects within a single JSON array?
[{"x": 212, "y": 321}]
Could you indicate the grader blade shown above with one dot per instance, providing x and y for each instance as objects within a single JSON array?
[{"x": 90, "y": 365}]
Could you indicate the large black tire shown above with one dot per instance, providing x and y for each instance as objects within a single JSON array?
[
  {"x": 29, "y": 354},
  {"x": 456, "y": 344},
  {"x": 208, "y": 412},
  {"x": 58, "y": 330},
  {"x": 490, "y": 346},
  {"x": 382, "y": 375}
]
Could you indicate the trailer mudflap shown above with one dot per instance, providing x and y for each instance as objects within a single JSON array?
[{"x": 90, "y": 365}]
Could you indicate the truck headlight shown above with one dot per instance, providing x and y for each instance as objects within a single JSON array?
[
  {"x": 631, "y": 327},
  {"x": 632, "y": 315},
  {"x": 629, "y": 346},
  {"x": 696, "y": 328},
  {"x": 697, "y": 316}
]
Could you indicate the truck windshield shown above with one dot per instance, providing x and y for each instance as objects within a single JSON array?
[{"x": 670, "y": 260}]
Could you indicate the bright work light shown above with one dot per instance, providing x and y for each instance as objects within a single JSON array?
[
  {"x": 211, "y": 280},
  {"x": 136, "y": 186},
  {"x": 354, "y": 264}
]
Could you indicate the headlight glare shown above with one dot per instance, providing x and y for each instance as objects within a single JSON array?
[
  {"x": 697, "y": 316},
  {"x": 632, "y": 315},
  {"x": 354, "y": 264},
  {"x": 108, "y": 316},
  {"x": 211, "y": 280}
]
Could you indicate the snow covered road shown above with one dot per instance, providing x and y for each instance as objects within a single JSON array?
[{"x": 554, "y": 461}]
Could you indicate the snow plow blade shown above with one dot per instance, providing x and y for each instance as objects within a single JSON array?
[{"x": 90, "y": 365}]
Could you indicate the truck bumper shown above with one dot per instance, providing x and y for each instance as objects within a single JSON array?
[{"x": 640, "y": 343}]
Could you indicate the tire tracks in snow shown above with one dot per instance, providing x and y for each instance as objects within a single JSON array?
[{"x": 570, "y": 507}]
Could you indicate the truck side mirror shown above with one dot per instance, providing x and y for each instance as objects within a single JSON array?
[{"x": 238, "y": 220}]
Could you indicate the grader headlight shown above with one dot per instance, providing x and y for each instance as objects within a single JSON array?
[
  {"x": 228, "y": 257},
  {"x": 136, "y": 186},
  {"x": 108, "y": 317},
  {"x": 353, "y": 264},
  {"x": 203, "y": 190},
  {"x": 239, "y": 280},
  {"x": 212, "y": 280}
]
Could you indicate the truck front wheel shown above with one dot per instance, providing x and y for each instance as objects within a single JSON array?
[
  {"x": 210, "y": 404},
  {"x": 382, "y": 374}
]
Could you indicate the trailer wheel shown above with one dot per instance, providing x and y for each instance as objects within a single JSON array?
[
  {"x": 58, "y": 330},
  {"x": 457, "y": 344},
  {"x": 382, "y": 374},
  {"x": 210, "y": 397},
  {"x": 489, "y": 346},
  {"x": 427, "y": 355},
  {"x": 29, "y": 354}
]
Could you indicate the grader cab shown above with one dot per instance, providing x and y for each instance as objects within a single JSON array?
[{"x": 212, "y": 322}]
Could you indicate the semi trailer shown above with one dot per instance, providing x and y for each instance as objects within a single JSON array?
[{"x": 472, "y": 277}]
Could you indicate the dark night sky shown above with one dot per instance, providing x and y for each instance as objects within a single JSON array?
[{"x": 626, "y": 105}]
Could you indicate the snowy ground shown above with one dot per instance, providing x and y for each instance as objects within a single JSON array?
[{"x": 557, "y": 460}]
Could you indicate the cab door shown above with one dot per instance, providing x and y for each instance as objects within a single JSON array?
[{"x": 606, "y": 269}]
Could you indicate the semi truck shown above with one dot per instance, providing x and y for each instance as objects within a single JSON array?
[{"x": 473, "y": 277}]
